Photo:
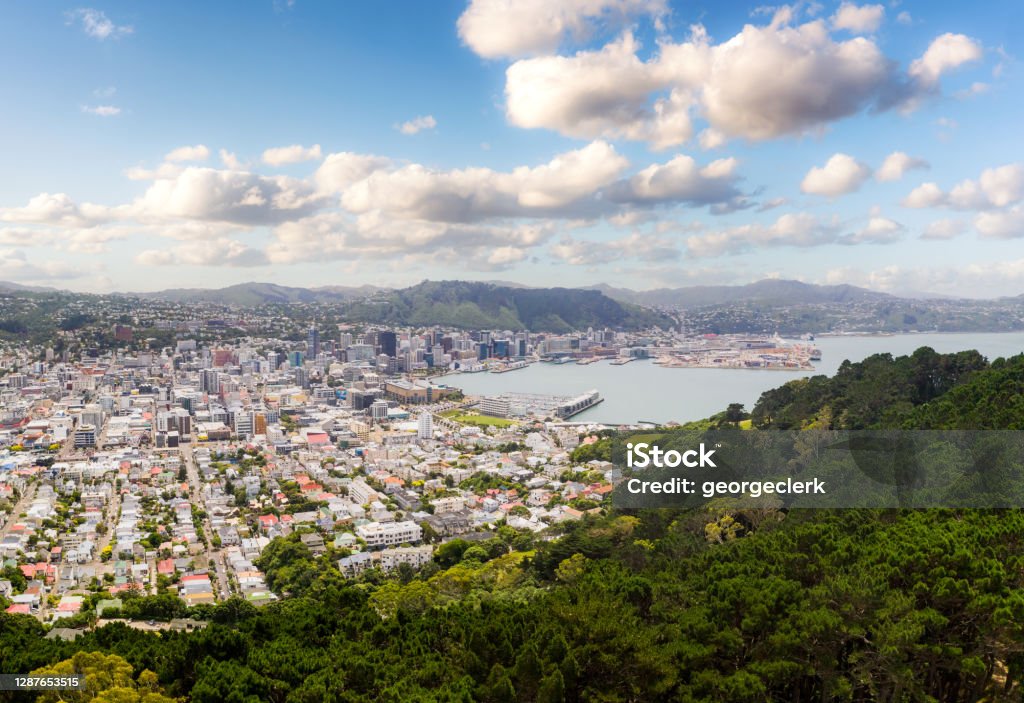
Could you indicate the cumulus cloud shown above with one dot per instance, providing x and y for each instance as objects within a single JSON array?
[
  {"x": 335, "y": 236},
  {"x": 944, "y": 229},
  {"x": 340, "y": 170},
  {"x": 945, "y": 53},
  {"x": 858, "y": 18},
  {"x": 467, "y": 195},
  {"x": 296, "y": 153},
  {"x": 57, "y": 209},
  {"x": 102, "y": 110},
  {"x": 995, "y": 188},
  {"x": 763, "y": 83},
  {"x": 840, "y": 175},
  {"x": 642, "y": 247},
  {"x": 417, "y": 125},
  {"x": 789, "y": 230},
  {"x": 84, "y": 240},
  {"x": 16, "y": 266},
  {"x": 229, "y": 196},
  {"x": 595, "y": 94},
  {"x": 879, "y": 230},
  {"x": 217, "y": 252},
  {"x": 199, "y": 152},
  {"x": 96, "y": 24},
  {"x": 230, "y": 160},
  {"x": 1004, "y": 224},
  {"x": 680, "y": 180},
  {"x": 898, "y": 163},
  {"x": 513, "y": 28},
  {"x": 975, "y": 279},
  {"x": 925, "y": 195}
]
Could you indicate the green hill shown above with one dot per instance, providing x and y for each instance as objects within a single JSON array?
[{"x": 488, "y": 306}]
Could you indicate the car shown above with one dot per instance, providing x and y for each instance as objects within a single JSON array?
[{"x": 151, "y": 622}]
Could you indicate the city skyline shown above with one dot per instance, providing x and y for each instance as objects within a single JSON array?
[{"x": 638, "y": 143}]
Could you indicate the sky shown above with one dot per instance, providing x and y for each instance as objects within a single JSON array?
[{"x": 638, "y": 143}]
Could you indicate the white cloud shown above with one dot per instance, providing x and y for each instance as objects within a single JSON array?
[
  {"x": 296, "y": 153},
  {"x": 595, "y": 94},
  {"x": 763, "y": 83},
  {"x": 101, "y": 110},
  {"x": 164, "y": 170},
  {"x": 680, "y": 180},
  {"x": 858, "y": 18},
  {"x": 879, "y": 230},
  {"x": 339, "y": 171},
  {"x": 996, "y": 188},
  {"x": 85, "y": 240},
  {"x": 16, "y": 266},
  {"x": 217, "y": 252},
  {"x": 57, "y": 209},
  {"x": 945, "y": 53},
  {"x": 904, "y": 18},
  {"x": 711, "y": 138},
  {"x": 840, "y": 175},
  {"x": 230, "y": 160},
  {"x": 975, "y": 279},
  {"x": 975, "y": 89},
  {"x": 513, "y": 28},
  {"x": 333, "y": 236},
  {"x": 898, "y": 163},
  {"x": 642, "y": 247},
  {"x": 416, "y": 192},
  {"x": 771, "y": 204},
  {"x": 227, "y": 196},
  {"x": 1004, "y": 224},
  {"x": 417, "y": 125},
  {"x": 789, "y": 230},
  {"x": 944, "y": 229},
  {"x": 199, "y": 152},
  {"x": 97, "y": 25},
  {"x": 925, "y": 195}
]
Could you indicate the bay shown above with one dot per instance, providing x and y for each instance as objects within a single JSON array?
[{"x": 642, "y": 390}]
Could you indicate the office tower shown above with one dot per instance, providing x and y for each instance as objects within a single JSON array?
[
  {"x": 313, "y": 342},
  {"x": 209, "y": 381},
  {"x": 388, "y": 343}
]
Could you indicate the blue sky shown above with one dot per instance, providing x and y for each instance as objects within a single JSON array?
[{"x": 640, "y": 143}]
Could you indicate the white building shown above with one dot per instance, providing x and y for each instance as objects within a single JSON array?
[{"x": 390, "y": 534}]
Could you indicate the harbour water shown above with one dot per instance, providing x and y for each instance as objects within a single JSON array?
[{"x": 645, "y": 391}]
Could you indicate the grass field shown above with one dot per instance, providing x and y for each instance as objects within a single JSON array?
[{"x": 478, "y": 420}]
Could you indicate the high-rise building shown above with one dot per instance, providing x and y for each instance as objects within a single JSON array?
[
  {"x": 313, "y": 342},
  {"x": 388, "y": 343},
  {"x": 425, "y": 427},
  {"x": 209, "y": 381}
]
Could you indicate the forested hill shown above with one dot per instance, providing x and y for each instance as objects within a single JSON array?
[
  {"x": 487, "y": 306},
  {"x": 925, "y": 390},
  {"x": 704, "y": 606}
]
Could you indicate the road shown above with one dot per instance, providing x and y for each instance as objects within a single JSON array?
[
  {"x": 18, "y": 509},
  {"x": 195, "y": 483}
]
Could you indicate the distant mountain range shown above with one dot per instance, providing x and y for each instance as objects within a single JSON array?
[
  {"x": 769, "y": 292},
  {"x": 770, "y": 304},
  {"x": 260, "y": 294}
]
